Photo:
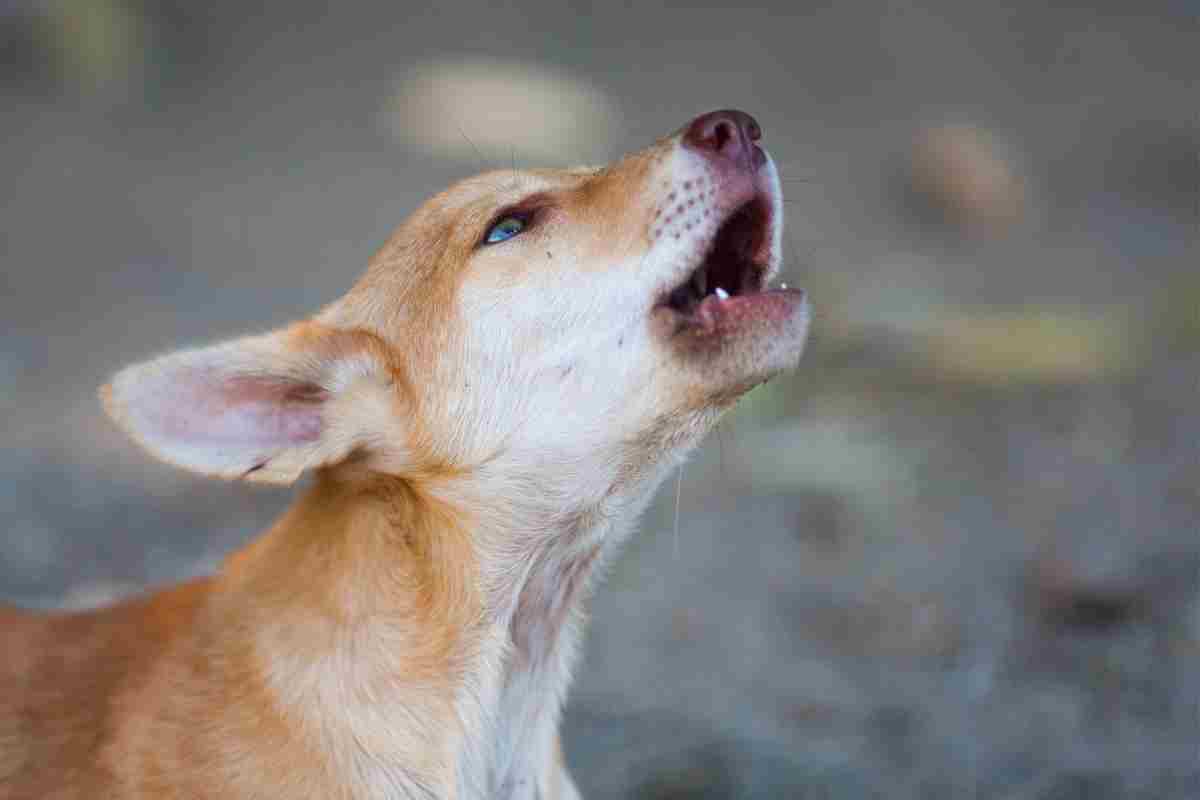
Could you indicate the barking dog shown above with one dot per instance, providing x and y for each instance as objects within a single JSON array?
[{"x": 484, "y": 415}]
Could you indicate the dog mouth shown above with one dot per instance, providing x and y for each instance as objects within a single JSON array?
[
  {"x": 726, "y": 294},
  {"x": 735, "y": 264}
]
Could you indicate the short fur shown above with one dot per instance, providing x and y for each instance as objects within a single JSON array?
[{"x": 483, "y": 424}]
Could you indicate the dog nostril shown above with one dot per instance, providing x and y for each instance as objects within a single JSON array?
[
  {"x": 721, "y": 135},
  {"x": 726, "y": 135}
]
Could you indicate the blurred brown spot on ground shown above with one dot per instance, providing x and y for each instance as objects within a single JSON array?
[
  {"x": 961, "y": 173},
  {"x": 1066, "y": 598}
]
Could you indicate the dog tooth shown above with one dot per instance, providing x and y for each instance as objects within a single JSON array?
[
  {"x": 721, "y": 294},
  {"x": 783, "y": 286}
]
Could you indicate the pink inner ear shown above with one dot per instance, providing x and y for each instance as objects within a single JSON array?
[{"x": 203, "y": 406}]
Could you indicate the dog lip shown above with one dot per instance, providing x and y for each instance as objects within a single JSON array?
[{"x": 716, "y": 319}]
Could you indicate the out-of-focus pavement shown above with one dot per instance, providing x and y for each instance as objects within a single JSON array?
[{"x": 954, "y": 555}]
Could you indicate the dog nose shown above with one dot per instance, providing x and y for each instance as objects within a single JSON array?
[{"x": 727, "y": 136}]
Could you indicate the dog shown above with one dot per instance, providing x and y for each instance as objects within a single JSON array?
[{"x": 483, "y": 417}]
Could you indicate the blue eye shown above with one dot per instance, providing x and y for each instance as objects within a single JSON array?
[{"x": 504, "y": 229}]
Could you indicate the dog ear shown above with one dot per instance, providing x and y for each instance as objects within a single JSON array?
[{"x": 265, "y": 408}]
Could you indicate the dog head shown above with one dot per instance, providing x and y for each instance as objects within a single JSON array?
[{"x": 552, "y": 322}]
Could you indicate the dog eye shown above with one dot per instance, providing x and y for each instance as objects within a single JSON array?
[{"x": 506, "y": 228}]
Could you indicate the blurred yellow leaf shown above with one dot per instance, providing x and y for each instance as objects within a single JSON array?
[
  {"x": 1033, "y": 345},
  {"x": 96, "y": 42}
]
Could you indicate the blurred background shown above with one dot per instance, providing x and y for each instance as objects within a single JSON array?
[{"x": 954, "y": 555}]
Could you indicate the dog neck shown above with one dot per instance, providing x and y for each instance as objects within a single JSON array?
[{"x": 384, "y": 608}]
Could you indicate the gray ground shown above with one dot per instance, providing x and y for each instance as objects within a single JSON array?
[{"x": 955, "y": 555}]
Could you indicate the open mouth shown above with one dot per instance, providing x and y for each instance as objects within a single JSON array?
[{"x": 735, "y": 265}]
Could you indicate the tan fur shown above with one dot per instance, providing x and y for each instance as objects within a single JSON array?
[{"x": 483, "y": 426}]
